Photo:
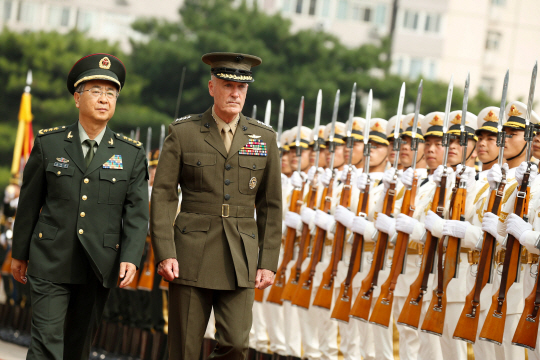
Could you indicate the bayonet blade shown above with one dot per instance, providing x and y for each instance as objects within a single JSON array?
[
  {"x": 299, "y": 123},
  {"x": 280, "y": 121},
  {"x": 399, "y": 111},
  {"x": 334, "y": 118},
  {"x": 317, "y": 116},
  {"x": 161, "y": 138},
  {"x": 448, "y": 105},
  {"x": 531, "y": 94},
  {"x": 148, "y": 143},
  {"x": 351, "y": 112},
  {"x": 268, "y": 112},
  {"x": 417, "y": 110},
  {"x": 368, "y": 117},
  {"x": 254, "y": 112},
  {"x": 503, "y": 101},
  {"x": 465, "y": 102}
]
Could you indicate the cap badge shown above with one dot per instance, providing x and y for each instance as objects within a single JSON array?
[
  {"x": 411, "y": 123},
  {"x": 514, "y": 111},
  {"x": 239, "y": 58},
  {"x": 437, "y": 121},
  {"x": 252, "y": 183},
  {"x": 457, "y": 119},
  {"x": 491, "y": 116},
  {"x": 105, "y": 63},
  {"x": 377, "y": 127}
]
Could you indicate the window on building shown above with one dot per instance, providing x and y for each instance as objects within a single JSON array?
[
  {"x": 415, "y": 69},
  {"x": 433, "y": 22},
  {"x": 380, "y": 15},
  {"x": 432, "y": 70},
  {"x": 367, "y": 14},
  {"x": 498, "y": 2},
  {"x": 29, "y": 13},
  {"x": 312, "y": 7},
  {"x": 299, "y": 4},
  {"x": 410, "y": 20},
  {"x": 325, "y": 9},
  {"x": 342, "y": 9},
  {"x": 493, "y": 40},
  {"x": 399, "y": 66},
  {"x": 8, "y": 5},
  {"x": 85, "y": 20},
  {"x": 286, "y": 7},
  {"x": 355, "y": 12},
  {"x": 487, "y": 85},
  {"x": 58, "y": 16}
]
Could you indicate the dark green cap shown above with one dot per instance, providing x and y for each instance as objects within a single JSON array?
[
  {"x": 97, "y": 67},
  {"x": 232, "y": 66}
]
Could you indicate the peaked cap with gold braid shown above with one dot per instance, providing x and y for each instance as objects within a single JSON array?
[
  {"x": 407, "y": 126},
  {"x": 433, "y": 123},
  {"x": 488, "y": 120}
]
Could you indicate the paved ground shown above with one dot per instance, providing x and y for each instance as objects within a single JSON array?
[{"x": 10, "y": 351}]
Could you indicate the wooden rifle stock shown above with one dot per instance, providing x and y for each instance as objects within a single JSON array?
[
  {"x": 323, "y": 297},
  {"x": 146, "y": 278},
  {"x": 362, "y": 304},
  {"x": 290, "y": 288},
  {"x": 493, "y": 327},
  {"x": 274, "y": 296},
  {"x": 527, "y": 330},
  {"x": 412, "y": 309},
  {"x": 467, "y": 325},
  {"x": 164, "y": 285},
  {"x": 6, "y": 266},
  {"x": 302, "y": 296},
  {"x": 436, "y": 313},
  {"x": 383, "y": 307},
  {"x": 342, "y": 307}
]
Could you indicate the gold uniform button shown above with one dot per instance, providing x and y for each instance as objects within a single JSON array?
[
  {"x": 40, "y": 235},
  {"x": 113, "y": 179},
  {"x": 58, "y": 172},
  {"x": 86, "y": 181},
  {"x": 83, "y": 214},
  {"x": 81, "y": 231},
  {"x": 84, "y": 197}
]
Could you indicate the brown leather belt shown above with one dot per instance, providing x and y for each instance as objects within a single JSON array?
[
  {"x": 223, "y": 210},
  {"x": 532, "y": 259},
  {"x": 524, "y": 257}
]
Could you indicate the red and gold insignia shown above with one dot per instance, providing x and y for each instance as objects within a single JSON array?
[
  {"x": 377, "y": 127},
  {"x": 437, "y": 121},
  {"x": 105, "y": 63},
  {"x": 457, "y": 119},
  {"x": 514, "y": 111},
  {"x": 491, "y": 116},
  {"x": 411, "y": 123}
]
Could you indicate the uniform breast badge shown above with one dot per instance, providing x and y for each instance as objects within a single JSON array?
[
  {"x": 252, "y": 183},
  {"x": 61, "y": 163},
  {"x": 254, "y": 147},
  {"x": 115, "y": 162}
]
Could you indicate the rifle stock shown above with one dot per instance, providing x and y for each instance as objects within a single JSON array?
[
  {"x": 146, "y": 278},
  {"x": 527, "y": 330},
  {"x": 410, "y": 314},
  {"x": 6, "y": 266},
  {"x": 274, "y": 296},
  {"x": 467, "y": 326},
  {"x": 435, "y": 315},
  {"x": 302, "y": 296},
  {"x": 383, "y": 307},
  {"x": 493, "y": 328},
  {"x": 323, "y": 297}
]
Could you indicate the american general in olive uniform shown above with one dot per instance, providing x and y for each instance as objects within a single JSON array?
[
  {"x": 215, "y": 252},
  {"x": 82, "y": 217}
]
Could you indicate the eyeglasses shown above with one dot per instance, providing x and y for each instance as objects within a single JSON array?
[{"x": 96, "y": 93}]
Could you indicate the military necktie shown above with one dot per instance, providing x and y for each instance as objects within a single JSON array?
[
  {"x": 227, "y": 136},
  {"x": 90, "y": 154}
]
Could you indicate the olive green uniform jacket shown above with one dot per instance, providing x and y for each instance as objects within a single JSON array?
[
  {"x": 72, "y": 220},
  {"x": 216, "y": 239}
]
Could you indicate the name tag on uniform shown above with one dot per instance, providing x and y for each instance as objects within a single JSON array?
[
  {"x": 61, "y": 165},
  {"x": 254, "y": 147},
  {"x": 115, "y": 162}
]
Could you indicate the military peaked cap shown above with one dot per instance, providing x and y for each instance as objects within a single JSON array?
[
  {"x": 97, "y": 67},
  {"x": 232, "y": 66}
]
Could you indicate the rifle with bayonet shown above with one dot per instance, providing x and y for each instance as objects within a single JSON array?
[
  {"x": 362, "y": 305},
  {"x": 324, "y": 295},
  {"x": 163, "y": 285},
  {"x": 412, "y": 309},
  {"x": 383, "y": 307},
  {"x": 527, "y": 330},
  {"x": 467, "y": 325},
  {"x": 448, "y": 260},
  {"x": 302, "y": 297},
  {"x": 305, "y": 238},
  {"x": 274, "y": 296}
]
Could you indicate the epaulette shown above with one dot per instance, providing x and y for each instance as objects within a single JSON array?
[
  {"x": 187, "y": 117},
  {"x": 128, "y": 140},
  {"x": 259, "y": 123},
  {"x": 51, "y": 130}
]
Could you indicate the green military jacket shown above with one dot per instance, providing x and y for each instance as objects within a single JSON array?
[
  {"x": 216, "y": 239},
  {"x": 72, "y": 220}
]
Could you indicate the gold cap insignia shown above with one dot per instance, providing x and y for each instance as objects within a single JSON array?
[
  {"x": 411, "y": 123},
  {"x": 252, "y": 183},
  {"x": 514, "y": 111},
  {"x": 457, "y": 119},
  {"x": 105, "y": 63},
  {"x": 437, "y": 121},
  {"x": 377, "y": 127},
  {"x": 491, "y": 116}
]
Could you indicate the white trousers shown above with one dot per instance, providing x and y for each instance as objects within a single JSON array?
[{"x": 258, "y": 338}]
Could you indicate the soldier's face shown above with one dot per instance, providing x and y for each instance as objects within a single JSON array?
[
  {"x": 406, "y": 154},
  {"x": 286, "y": 163},
  {"x": 487, "y": 146},
  {"x": 515, "y": 143},
  {"x": 378, "y": 154},
  {"x": 229, "y": 97},
  {"x": 339, "y": 156},
  {"x": 455, "y": 152},
  {"x": 433, "y": 151},
  {"x": 392, "y": 153},
  {"x": 358, "y": 153},
  {"x": 536, "y": 146},
  {"x": 95, "y": 109},
  {"x": 322, "y": 158}
]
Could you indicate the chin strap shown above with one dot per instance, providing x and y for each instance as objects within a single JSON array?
[
  {"x": 489, "y": 162},
  {"x": 518, "y": 155}
]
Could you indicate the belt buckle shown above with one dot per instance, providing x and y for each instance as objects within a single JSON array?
[{"x": 225, "y": 209}]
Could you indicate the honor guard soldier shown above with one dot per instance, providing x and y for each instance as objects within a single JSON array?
[
  {"x": 214, "y": 252},
  {"x": 83, "y": 215}
]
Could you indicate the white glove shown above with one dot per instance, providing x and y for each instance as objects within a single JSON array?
[
  {"x": 405, "y": 223},
  {"x": 293, "y": 220},
  {"x": 386, "y": 224},
  {"x": 489, "y": 223},
  {"x": 359, "y": 225},
  {"x": 324, "y": 220},
  {"x": 520, "y": 171},
  {"x": 408, "y": 177},
  {"x": 518, "y": 227},
  {"x": 434, "y": 223},
  {"x": 326, "y": 177},
  {"x": 344, "y": 216},
  {"x": 284, "y": 179},
  {"x": 468, "y": 176},
  {"x": 296, "y": 180},
  {"x": 388, "y": 178},
  {"x": 307, "y": 215},
  {"x": 311, "y": 173},
  {"x": 438, "y": 173},
  {"x": 344, "y": 173},
  {"x": 455, "y": 228},
  {"x": 494, "y": 175},
  {"x": 361, "y": 181}
]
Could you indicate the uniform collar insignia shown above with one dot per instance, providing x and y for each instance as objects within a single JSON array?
[
  {"x": 254, "y": 136},
  {"x": 111, "y": 142},
  {"x": 69, "y": 136}
]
